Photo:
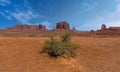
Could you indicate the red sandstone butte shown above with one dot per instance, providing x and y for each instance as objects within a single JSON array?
[{"x": 62, "y": 25}]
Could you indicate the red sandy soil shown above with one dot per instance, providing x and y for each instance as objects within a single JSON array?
[{"x": 22, "y": 54}]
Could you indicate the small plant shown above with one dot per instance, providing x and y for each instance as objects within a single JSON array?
[{"x": 58, "y": 47}]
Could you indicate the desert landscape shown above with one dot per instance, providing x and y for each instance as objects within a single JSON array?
[
  {"x": 21, "y": 46},
  {"x": 22, "y": 54},
  {"x": 59, "y": 35}
]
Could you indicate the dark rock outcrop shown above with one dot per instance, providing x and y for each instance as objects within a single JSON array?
[
  {"x": 43, "y": 27},
  {"x": 73, "y": 28},
  {"x": 62, "y": 25},
  {"x": 103, "y": 27}
]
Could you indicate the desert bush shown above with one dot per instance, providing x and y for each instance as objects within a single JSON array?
[
  {"x": 66, "y": 37},
  {"x": 57, "y": 47}
]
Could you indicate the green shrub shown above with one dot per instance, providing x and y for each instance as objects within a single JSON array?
[
  {"x": 66, "y": 37},
  {"x": 58, "y": 47}
]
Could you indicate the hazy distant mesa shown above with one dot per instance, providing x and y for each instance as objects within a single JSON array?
[
  {"x": 60, "y": 28},
  {"x": 60, "y": 25}
]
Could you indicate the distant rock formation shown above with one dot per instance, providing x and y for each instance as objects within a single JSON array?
[
  {"x": 30, "y": 27},
  {"x": 42, "y": 27},
  {"x": 73, "y": 28},
  {"x": 114, "y": 28},
  {"x": 111, "y": 31},
  {"x": 92, "y": 30},
  {"x": 62, "y": 25},
  {"x": 25, "y": 26},
  {"x": 103, "y": 27},
  {"x": 60, "y": 28}
]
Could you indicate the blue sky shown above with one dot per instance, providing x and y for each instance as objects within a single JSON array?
[{"x": 81, "y": 14}]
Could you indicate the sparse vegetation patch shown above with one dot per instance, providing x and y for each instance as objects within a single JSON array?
[{"x": 57, "y": 47}]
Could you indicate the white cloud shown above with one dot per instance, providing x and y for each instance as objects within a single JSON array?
[
  {"x": 5, "y": 2},
  {"x": 88, "y": 6},
  {"x": 4, "y": 14},
  {"x": 21, "y": 15},
  {"x": 110, "y": 19},
  {"x": 24, "y": 16}
]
